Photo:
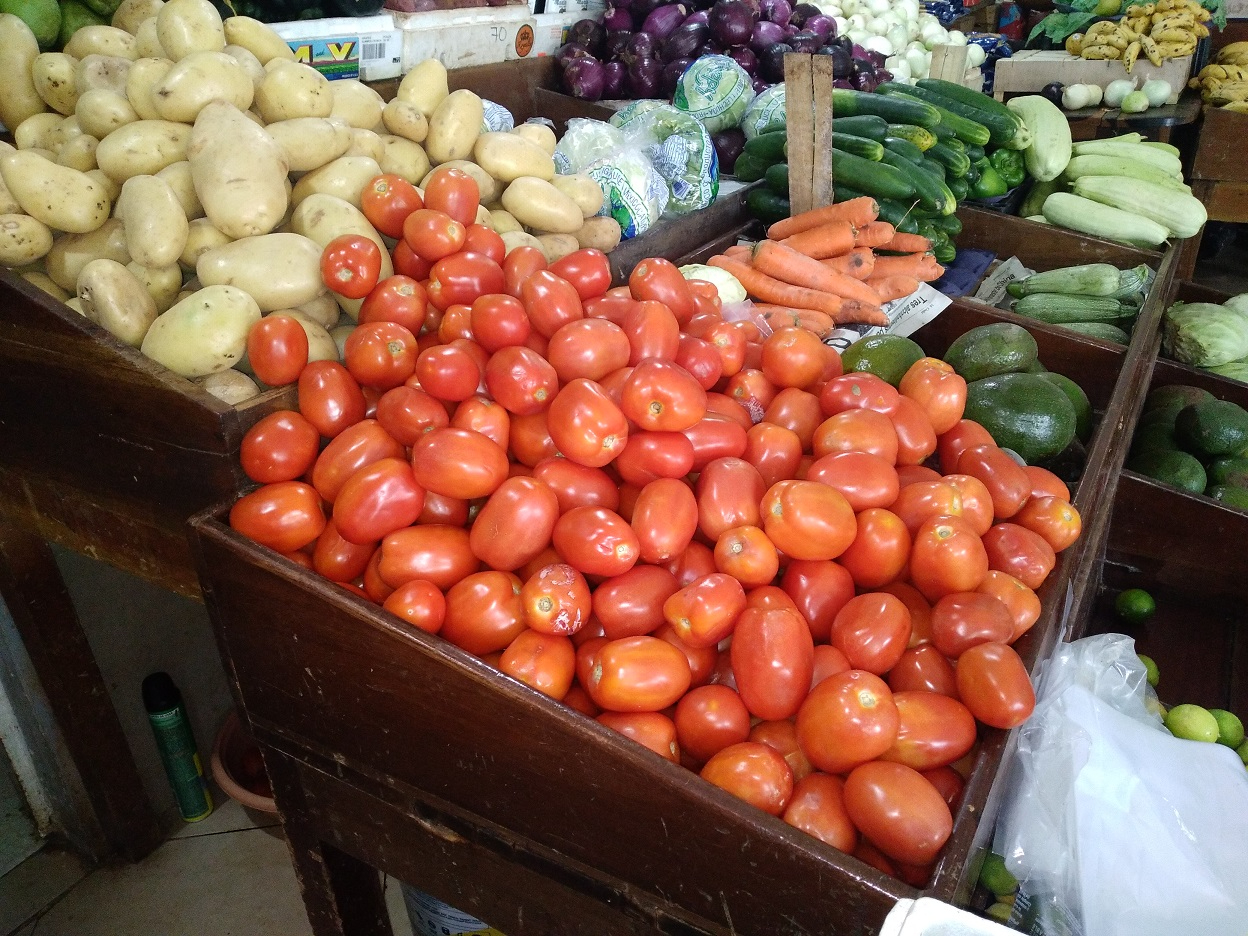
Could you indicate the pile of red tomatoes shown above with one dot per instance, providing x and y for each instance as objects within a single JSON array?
[{"x": 803, "y": 584}]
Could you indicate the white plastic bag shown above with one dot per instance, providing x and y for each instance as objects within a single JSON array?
[{"x": 1113, "y": 826}]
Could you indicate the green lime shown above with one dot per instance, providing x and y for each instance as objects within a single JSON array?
[
  {"x": 1230, "y": 728},
  {"x": 1192, "y": 722},
  {"x": 42, "y": 16},
  {"x": 999, "y": 911},
  {"x": 1153, "y": 704},
  {"x": 1150, "y": 667},
  {"x": 1135, "y": 605},
  {"x": 886, "y": 356},
  {"x": 996, "y": 877},
  {"x": 1242, "y": 751}
]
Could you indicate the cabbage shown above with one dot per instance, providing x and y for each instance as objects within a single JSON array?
[
  {"x": 765, "y": 113},
  {"x": 586, "y": 141},
  {"x": 1236, "y": 370},
  {"x": 680, "y": 149},
  {"x": 730, "y": 288},
  {"x": 1238, "y": 303},
  {"x": 633, "y": 192},
  {"x": 716, "y": 90},
  {"x": 1203, "y": 334}
]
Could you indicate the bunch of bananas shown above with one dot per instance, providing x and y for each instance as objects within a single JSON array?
[
  {"x": 1236, "y": 53},
  {"x": 1223, "y": 84},
  {"x": 1162, "y": 30}
]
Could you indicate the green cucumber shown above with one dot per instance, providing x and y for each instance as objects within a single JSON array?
[
  {"x": 1001, "y": 122},
  {"x": 931, "y": 191},
  {"x": 923, "y": 139},
  {"x": 908, "y": 110},
  {"x": 767, "y": 147},
  {"x": 959, "y": 188},
  {"x": 932, "y": 168},
  {"x": 973, "y": 153},
  {"x": 750, "y": 168},
  {"x": 966, "y": 129},
  {"x": 950, "y": 224},
  {"x": 876, "y": 179},
  {"x": 766, "y": 205},
  {"x": 944, "y": 132},
  {"x": 1102, "y": 330},
  {"x": 903, "y": 147},
  {"x": 777, "y": 177},
  {"x": 957, "y": 163},
  {"x": 859, "y": 146},
  {"x": 868, "y": 125}
]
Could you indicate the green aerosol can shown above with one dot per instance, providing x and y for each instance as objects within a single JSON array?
[{"x": 177, "y": 748}]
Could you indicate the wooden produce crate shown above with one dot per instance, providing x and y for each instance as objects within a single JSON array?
[
  {"x": 1219, "y": 178},
  {"x": 1028, "y": 71},
  {"x": 393, "y": 749}
]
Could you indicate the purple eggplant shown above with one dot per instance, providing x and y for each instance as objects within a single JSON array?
[
  {"x": 802, "y": 12},
  {"x": 759, "y": 85},
  {"x": 771, "y": 62},
  {"x": 732, "y": 22},
  {"x": 842, "y": 64},
  {"x": 822, "y": 26},
  {"x": 777, "y": 11},
  {"x": 765, "y": 34},
  {"x": 728, "y": 146},
  {"x": 806, "y": 42},
  {"x": 643, "y": 77},
  {"x": 585, "y": 78},
  {"x": 842, "y": 83},
  {"x": 684, "y": 42},
  {"x": 860, "y": 54},
  {"x": 671, "y": 75},
  {"x": 615, "y": 76},
  {"x": 664, "y": 20}
]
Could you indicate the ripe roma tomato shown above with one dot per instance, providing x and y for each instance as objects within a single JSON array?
[
  {"x": 993, "y": 683},
  {"x": 923, "y": 669},
  {"x": 923, "y": 500},
  {"x": 1020, "y": 552},
  {"x": 700, "y": 359},
  {"x": 793, "y": 357},
  {"x": 659, "y": 280},
  {"x": 938, "y": 391},
  {"x": 857, "y": 430},
  {"x": 915, "y": 438},
  {"x": 590, "y": 348},
  {"x": 380, "y": 354},
  {"x": 665, "y": 518},
  {"x": 407, "y": 413},
  {"x": 277, "y": 349},
  {"x": 653, "y": 332},
  {"x": 947, "y": 557},
  {"x": 545, "y": 662},
  {"x": 399, "y": 299},
  {"x": 462, "y": 278},
  {"x": 963, "y": 619},
  {"x": 521, "y": 380},
  {"x": 863, "y": 479},
  {"x": 901, "y": 813},
  {"x": 705, "y": 612},
  {"x": 454, "y": 193},
  {"x": 339, "y": 560},
  {"x": 378, "y": 499},
  {"x": 588, "y": 271},
  {"x": 819, "y": 589},
  {"x": 773, "y": 658},
  {"x": 729, "y": 491},
  {"x": 1053, "y": 518},
  {"x": 753, "y": 772},
  {"x": 975, "y": 500},
  {"x": 748, "y": 555},
  {"x": 434, "y": 552},
  {"x": 950, "y": 445},
  {"x": 847, "y": 720},
  {"x": 551, "y": 302},
  {"x": 662, "y": 396},
  {"x": 709, "y": 719},
  {"x": 351, "y": 265},
  {"x": 818, "y": 809},
  {"x": 631, "y": 604},
  {"x": 556, "y": 599},
  {"x": 808, "y": 520},
  {"x": 432, "y": 235},
  {"x": 933, "y": 730},
  {"x": 515, "y": 524},
  {"x": 576, "y": 485},
  {"x": 282, "y": 447},
  {"x": 420, "y": 604},
  {"x": 448, "y": 372},
  {"x": 586, "y": 425},
  {"x": 387, "y": 200},
  {"x": 596, "y": 541},
  {"x": 1005, "y": 479},
  {"x": 637, "y": 674},
  {"x": 285, "y": 516},
  {"x": 796, "y": 410},
  {"x": 651, "y": 730},
  {"x": 484, "y": 612},
  {"x": 458, "y": 463},
  {"x": 872, "y": 630},
  {"x": 1022, "y": 602},
  {"x": 880, "y": 549},
  {"x": 858, "y": 391},
  {"x": 329, "y": 397}
]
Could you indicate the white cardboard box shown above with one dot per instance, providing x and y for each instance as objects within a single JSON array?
[
  {"x": 461, "y": 38},
  {"x": 551, "y": 30},
  {"x": 366, "y": 47}
]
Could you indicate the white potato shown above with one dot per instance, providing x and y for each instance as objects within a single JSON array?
[
  {"x": 34, "y": 131},
  {"x": 62, "y": 198},
  {"x": 502, "y": 221},
  {"x": 147, "y": 39},
  {"x": 424, "y": 86},
  {"x": 102, "y": 40},
  {"x": 250, "y": 64},
  {"x": 340, "y": 334},
  {"x": 405, "y": 119},
  {"x": 364, "y": 143},
  {"x": 23, "y": 240},
  {"x": 109, "y": 72},
  {"x": 260, "y": 39},
  {"x": 162, "y": 283},
  {"x": 454, "y": 127},
  {"x": 20, "y": 98},
  {"x": 197, "y": 79},
  {"x": 178, "y": 175},
  {"x": 130, "y": 14},
  {"x": 76, "y": 304},
  {"x": 356, "y": 103},
  {"x": 156, "y": 225},
  {"x": 114, "y": 299},
  {"x": 55, "y": 80},
  {"x": 62, "y": 133},
  {"x": 230, "y": 386},
  {"x": 143, "y": 147},
  {"x": 71, "y": 252},
  {"x": 186, "y": 26},
  {"x": 203, "y": 333},
  {"x": 239, "y": 172},
  {"x": 514, "y": 239},
  {"x": 44, "y": 282},
  {"x": 600, "y": 234},
  {"x": 557, "y": 246},
  {"x": 291, "y": 89},
  {"x": 279, "y": 271},
  {"x": 145, "y": 74},
  {"x": 310, "y": 142},
  {"x": 582, "y": 189},
  {"x": 536, "y": 203},
  {"x": 79, "y": 153},
  {"x": 323, "y": 310},
  {"x": 488, "y": 188},
  {"x": 8, "y": 204},
  {"x": 110, "y": 186},
  {"x": 101, "y": 111},
  {"x": 201, "y": 235},
  {"x": 538, "y": 134},
  {"x": 323, "y": 217},
  {"x": 404, "y": 158},
  {"x": 507, "y": 157},
  {"x": 345, "y": 177}
]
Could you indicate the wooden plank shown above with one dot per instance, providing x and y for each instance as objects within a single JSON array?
[
  {"x": 821, "y": 134},
  {"x": 1227, "y": 201},
  {"x": 32, "y": 589},
  {"x": 1219, "y": 149},
  {"x": 949, "y": 64},
  {"x": 799, "y": 118}
]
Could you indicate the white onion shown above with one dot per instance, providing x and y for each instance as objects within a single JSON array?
[
  {"x": 955, "y": 37},
  {"x": 858, "y": 36},
  {"x": 917, "y": 62},
  {"x": 858, "y": 21},
  {"x": 1157, "y": 90},
  {"x": 975, "y": 55},
  {"x": 876, "y": 26},
  {"x": 878, "y": 44},
  {"x": 1115, "y": 91},
  {"x": 842, "y": 25},
  {"x": 878, "y": 7},
  {"x": 899, "y": 67},
  {"x": 849, "y": 7},
  {"x": 897, "y": 36}
]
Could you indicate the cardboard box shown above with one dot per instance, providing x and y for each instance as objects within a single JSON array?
[
  {"x": 551, "y": 30},
  {"x": 463, "y": 38},
  {"x": 1029, "y": 71},
  {"x": 366, "y": 47}
]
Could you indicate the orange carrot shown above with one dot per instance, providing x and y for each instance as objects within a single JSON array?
[
  {"x": 768, "y": 289},
  {"x": 862, "y": 313},
  {"x": 858, "y": 263},
  {"x": 893, "y": 287},
  {"x": 785, "y": 317},
  {"x": 828, "y": 240},
  {"x": 907, "y": 243},
  {"x": 875, "y": 234},
  {"x": 738, "y": 252},
  {"x": 857, "y": 211},
  {"x": 922, "y": 267},
  {"x": 790, "y": 266}
]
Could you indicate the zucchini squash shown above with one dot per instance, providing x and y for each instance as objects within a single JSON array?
[
  {"x": 1181, "y": 214},
  {"x": 1050, "y": 148},
  {"x": 1058, "y": 309},
  {"x": 1093, "y": 164},
  {"x": 1089, "y": 217},
  {"x": 1160, "y": 159},
  {"x": 1004, "y": 125},
  {"x": 966, "y": 130},
  {"x": 1101, "y": 330},
  {"x": 1087, "y": 279}
]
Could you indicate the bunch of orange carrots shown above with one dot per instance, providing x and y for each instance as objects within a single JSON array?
[{"x": 831, "y": 266}]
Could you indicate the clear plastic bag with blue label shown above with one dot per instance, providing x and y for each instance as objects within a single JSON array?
[
  {"x": 634, "y": 193},
  {"x": 681, "y": 152}
]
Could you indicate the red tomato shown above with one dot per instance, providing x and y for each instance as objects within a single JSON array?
[
  {"x": 923, "y": 669},
  {"x": 1053, "y": 518},
  {"x": 530, "y": 439},
  {"x": 662, "y": 396},
  {"x": 828, "y": 662},
  {"x": 863, "y": 479},
  {"x": 484, "y": 612},
  {"x": 545, "y": 662},
  {"x": 947, "y": 557},
  {"x": 964, "y": 435},
  {"x": 857, "y": 431},
  {"x": 1045, "y": 482},
  {"x": 918, "y": 502},
  {"x": 1020, "y": 552},
  {"x": 649, "y": 456},
  {"x": 751, "y": 388},
  {"x": 847, "y": 720},
  {"x": 462, "y": 279},
  {"x": 448, "y": 372},
  {"x": 709, "y": 719},
  {"x": 771, "y": 598},
  {"x": 781, "y": 736},
  {"x": 406, "y": 263},
  {"x": 596, "y": 541},
  {"x": 458, "y": 463},
  {"x": 653, "y": 332},
  {"x": 590, "y": 348},
  {"x": 277, "y": 349},
  {"x": 748, "y": 555},
  {"x": 519, "y": 265},
  {"x": 515, "y": 524},
  {"x": 351, "y": 265},
  {"x": 938, "y": 391},
  {"x": 329, "y": 397},
  {"x": 432, "y": 235},
  {"x": 704, "y": 613},
  {"x": 716, "y": 437},
  {"x": 880, "y": 549},
  {"x": 387, "y": 200},
  {"x": 480, "y": 239},
  {"x": 912, "y": 474},
  {"x": 872, "y": 630},
  {"x": 454, "y": 193},
  {"x": 729, "y": 342},
  {"x": 420, "y": 604},
  {"x": 858, "y": 391},
  {"x": 521, "y": 380},
  {"x": 551, "y": 302},
  {"x": 933, "y": 730},
  {"x": 374, "y": 586},
  {"x": 631, "y": 604},
  {"x": 483, "y": 415},
  {"x": 976, "y": 501},
  {"x": 380, "y": 354},
  {"x": 915, "y": 438},
  {"x": 729, "y": 491},
  {"x": 586, "y": 425},
  {"x": 948, "y": 782},
  {"x": 807, "y": 520},
  {"x": 792, "y": 357},
  {"x": 355, "y": 447},
  {"x": 436, "y": 553},
  {"x": 556, "y": 600},
  {"x": 775, "y": 451},
  {"x": 576, "y": 485},
  {"x": 280, "y": 447},
  {"x": 818, "y": 809},
  {"x": 1022, "y": 602},
  {"x": 588, "y": 271},
  {"x": 499, "y": 321},
  {"x": 993, "y": 683},
  {"x": 407, "y": 413},
  {"x": 902, "y": 814},
  {"x": 659, "y": 280},
  {"x": 665, "y": 518},
  {"x": 963, "y": 619},
  {"x": 702, "y": 660},
  {"x": 720, "y": 404},
  {"x": 651, "y": 730},
  {"x": 378, "y": 499},
  {"x": 700, "y": 359},
  {"x": 773, "y": 659},
  {"x": 285, "y": 515},
  {"x": 1005, "y": 479},
  {"x": 399, "y": 299},
  {"x": 696, "y": 561},
  {"x": 797, "y": 410},
  {"x": 613, "y": 306},
  {"x": 752, "y": 772},
  {"x": 820, "y": 590},
  {"x": 638, "y": 674}
]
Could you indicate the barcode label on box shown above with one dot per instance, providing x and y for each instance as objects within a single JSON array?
[
  {"x": 372, "y": 50},
  {"x": 365, "y": 57}
]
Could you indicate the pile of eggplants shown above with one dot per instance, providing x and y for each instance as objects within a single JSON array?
[{"x": 641, "y": 47}]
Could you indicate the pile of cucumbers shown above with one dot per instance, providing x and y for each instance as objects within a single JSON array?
[{"x": 1095, "y": 299}]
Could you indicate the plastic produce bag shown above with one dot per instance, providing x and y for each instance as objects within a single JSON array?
[
  {"x": 716, "y": 90},
  {"x": 765, "y": 113},
  {"x": 634, "y": 193},
  {"x": 681, "y": 152},
  {"x": 1113, "y": 826}
]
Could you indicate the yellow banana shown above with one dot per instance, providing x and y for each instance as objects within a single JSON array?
[
  {"x": 1129, "y": 56},
  {"x": 1239, "y": 107},
  {"x": 1164, "y": 5},
  {"x": 1173, "y": 20},
  {"x": 1229, "y": 92},
  {"x": 1127, "y": 32},
  {"x": 1150, "y": 50},
  {"x": 1170, "y": 50},
  {"x": 1101, "y": 52},
  {"x": 1178, "y": 36},
  {"x": 1200, "y": 30},
  {"x": 1098, "y": 29},
  {"x": 1231, "y": 49}
]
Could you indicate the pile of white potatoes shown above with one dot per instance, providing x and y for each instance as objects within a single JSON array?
[{"x": 176, "y": 176}]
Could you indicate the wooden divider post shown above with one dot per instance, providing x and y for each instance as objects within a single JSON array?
[{"x": 808, "y": 118}]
